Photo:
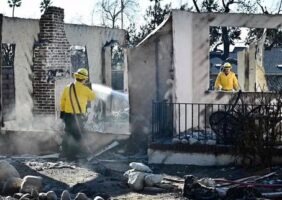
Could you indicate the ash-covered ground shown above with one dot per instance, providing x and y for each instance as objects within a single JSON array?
[{"x": 103, "y": 176}]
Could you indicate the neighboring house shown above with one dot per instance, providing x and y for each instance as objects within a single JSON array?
[{"x": 272, "y": 65}]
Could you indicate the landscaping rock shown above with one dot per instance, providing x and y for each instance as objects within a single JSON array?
[
  {"x": 34, "y": 194},
  {"x": 126, "y": 174},
  {"x": 42, "y": 196},
  {"x": 193, "y": 141},
  {"x": 65, "y": 195},
  {"x": 12, "y": 185},
  {"x": 25, "y": 197},
  {"x": 176, "y": 141},
  {"x": 152, "y": 179},
  {"x": 7, "y": 171},
  {"x": 136, "y": 180},
  {"x": 81, "y": 196},
  {"x": 184, "y": 141},
  {"x": 140, "y": 167},
  {"x": 51, "y": 195},
  {"x": 18, "y": 195},
  {"x": 10, "y": 198},
  {"x": 98, "y": 198},
  {"x": 31, "y": 183}
]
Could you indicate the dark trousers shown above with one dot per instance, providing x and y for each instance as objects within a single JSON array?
[{"x": 71, "y": 145}]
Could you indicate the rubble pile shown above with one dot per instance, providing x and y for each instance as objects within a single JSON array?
[
  {"x": 196, "y": 137},
  {"x": 267, "y": 186}
]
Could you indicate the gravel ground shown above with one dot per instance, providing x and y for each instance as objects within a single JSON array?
[{"x": 104, "y": 176}]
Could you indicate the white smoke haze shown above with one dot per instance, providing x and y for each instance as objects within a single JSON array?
[
  {"x": 110, "y": 111},
  {"x": 36, "y": 134},
  {"x": 27, "y": 134}
]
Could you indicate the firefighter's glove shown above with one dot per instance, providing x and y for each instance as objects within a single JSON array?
[
  {"x": 62, "y": 115},
  {"x": 89, "y": 84}
]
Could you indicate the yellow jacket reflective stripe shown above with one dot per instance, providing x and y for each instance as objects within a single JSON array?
[
  {"x": 228, "y": 82},
  {"x": 84, "y": 94}
]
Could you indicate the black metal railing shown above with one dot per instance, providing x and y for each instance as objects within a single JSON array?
[{"x": 192, "y": 121}]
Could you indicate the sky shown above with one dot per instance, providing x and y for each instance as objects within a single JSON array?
[
  {"x": 81, "y": 11},
  {"x": 76, "y": 11}
]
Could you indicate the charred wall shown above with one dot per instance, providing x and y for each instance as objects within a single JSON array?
[
  {"x": 38, "y": 64},
  {"x": 149, "y": 66}
]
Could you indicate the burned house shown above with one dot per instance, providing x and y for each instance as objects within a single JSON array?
[
  {"x": 179, "y": 49},
  {"x": 38, "y": 58}
]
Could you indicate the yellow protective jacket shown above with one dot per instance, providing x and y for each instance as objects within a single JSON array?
[
  {"x": 226, "y": 82},
  {"x": 84, "y": 94}
]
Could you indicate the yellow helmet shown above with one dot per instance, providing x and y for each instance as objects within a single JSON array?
[
  {"x": 81, "y": 73},
  {"x": 227, "y": 65}
]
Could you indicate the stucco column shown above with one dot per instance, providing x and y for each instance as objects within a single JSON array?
[
  {"x": 242, "y": 66},
  {"x": 125, "y": 71},
  {"x": 252, "y": 69},
  {"x": 108, "y": 66}
]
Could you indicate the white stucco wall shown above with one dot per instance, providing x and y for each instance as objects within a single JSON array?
[
  {"x": 170, "y": 157},
  {"x": 152, "y": 55},
  {"x": 94, "y": 38},
  {"x": 197, "y": 48},
  {"x": 186, "y": 158},
  {"x": 191, "y": 53},
  {"x": 22, "y": 32},
  {"x": 182, "y": 55}
]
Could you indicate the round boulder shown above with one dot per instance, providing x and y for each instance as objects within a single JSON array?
[
  {"x": 7, "y": 171},
  {"x": 51, "y": 195},
  {"x": 81, "y": 196},
  {"x": 65, "y": 195},
  {"x": 31, "y": 183}
]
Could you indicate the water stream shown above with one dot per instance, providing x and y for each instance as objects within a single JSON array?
[{"x": 110, "y": 111}]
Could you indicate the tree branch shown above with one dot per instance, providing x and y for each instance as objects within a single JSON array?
[
  {"x": 262, "y": 9},
  {"x": 196, "y": 6},
  {"x": 226, "y": 7},
  {"x": 223, "y": 3},
  {"x": 107, "y": 11},
  {"x": 279, "y": 9},
  {"x": 215, "y": 48}
]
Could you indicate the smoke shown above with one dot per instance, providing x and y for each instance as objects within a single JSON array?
[
  {"x": 29, "y": 134},
  {"x": 43, "y": 133}
]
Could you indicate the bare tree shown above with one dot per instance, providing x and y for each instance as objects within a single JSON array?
[
  {"x": 44, "y": 4},
  {"x": 223, "y": 35},
  {"x": 279, "y": 7},
  {"x": 13, "y": 4},
  {"x": 113, "y": 10}
]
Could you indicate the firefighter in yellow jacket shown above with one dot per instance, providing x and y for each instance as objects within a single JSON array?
[
  {"x": 226, "y": 80},
  {"x": 73, "y": 107}
]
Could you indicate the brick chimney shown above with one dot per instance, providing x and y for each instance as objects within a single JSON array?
[{"x": 51, "y": 60}]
